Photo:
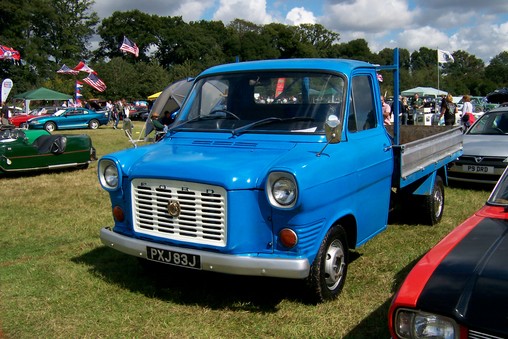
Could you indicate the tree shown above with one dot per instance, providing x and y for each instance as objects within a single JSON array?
[
  {"x": 135, "y": 25},
  {"x": 497, "y": 70}
]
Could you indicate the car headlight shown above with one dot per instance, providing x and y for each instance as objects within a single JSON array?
[
  {"x": 412, "y": 324},
  {"x": 108, "y": 174},
  {"x": 282, "y": 189}
]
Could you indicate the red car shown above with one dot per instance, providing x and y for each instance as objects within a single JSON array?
[
  {"x": 20, "y": 119},
  {"x": 459, "y": 289}
]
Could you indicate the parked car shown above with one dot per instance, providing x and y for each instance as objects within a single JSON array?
[
  {"x": 21, "y": 119},
  {"x": 485, "y": 149},
  {"x": 459, "y": 289},
  {"x": 31, "y": 150},
  {"x": 70, "y": 118}
]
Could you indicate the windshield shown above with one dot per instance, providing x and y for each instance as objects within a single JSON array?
[
  {"x": 499, "y": 195},
  {"x": 269, "y": 102},
  {"x": 491, "y": 123},
  {"x": 59, "y": 112}
]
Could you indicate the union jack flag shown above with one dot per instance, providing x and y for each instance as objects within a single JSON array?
[
  {"x": 95, "y": 82},
  {"x": 67, "y": 70},
  {"x": 8, "y": 53},
  {"x": 129, "y": 47}
]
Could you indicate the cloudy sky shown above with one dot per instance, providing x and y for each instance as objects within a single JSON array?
[{"x": 477, "y": 27}]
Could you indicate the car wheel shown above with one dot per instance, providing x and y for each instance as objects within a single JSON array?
[
  {"x": 329, "y": 270},
  {"x": 93, "y": 124},
  {"x": 433, "y": 204},
  {"x": 50, "y": 126}
]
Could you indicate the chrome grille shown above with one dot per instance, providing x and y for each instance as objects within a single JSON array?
[
  {"x": 200, "y": 211},
  {"x": 481, "y": 335}
]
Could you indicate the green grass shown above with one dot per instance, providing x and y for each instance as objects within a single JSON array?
[{"x": 58, "y": 280}]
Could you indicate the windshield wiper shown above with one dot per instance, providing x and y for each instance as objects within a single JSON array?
[
  {"x": 240, "y": 130},
  {"x": 212, "y": 116}
]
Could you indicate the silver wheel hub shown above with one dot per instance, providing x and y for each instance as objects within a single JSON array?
[{"x": 334, "y": 264}]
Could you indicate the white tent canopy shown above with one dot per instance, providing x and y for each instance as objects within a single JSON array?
[{"x": 424, "y": 92}]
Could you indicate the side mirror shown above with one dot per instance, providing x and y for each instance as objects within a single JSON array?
[
  {"x": 332, "y": 129},
  {"x": 332, "y": 132}
]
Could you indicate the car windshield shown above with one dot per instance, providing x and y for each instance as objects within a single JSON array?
[
  {"x": 491, "y": 123},
  {"x": 268, "y": 102},
  {"x": 59, "y": 112},
  {"x": 499, "y": 195}
]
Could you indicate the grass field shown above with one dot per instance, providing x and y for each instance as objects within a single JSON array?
[{"x": 58, "y": 281}]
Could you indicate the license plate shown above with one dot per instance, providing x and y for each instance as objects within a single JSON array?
[
  {"x": 478, "y": 169},
  {"x": 173, "y": 258}
]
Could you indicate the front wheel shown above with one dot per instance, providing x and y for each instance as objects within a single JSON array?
[
  {"x": 50, "y": 126},
  {"x": 93, "y": 124},
  {"x": 329, "y": 270},
  {"x": 432, "y": 206}
]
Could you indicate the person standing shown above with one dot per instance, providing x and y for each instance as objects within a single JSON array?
[
  {"x": 119, "y": 110},
  {"x": 467, "y": 116},
  {"x": 416, "y": 104},
  {"x": 448, "y": 110},
  {"x": 387, "y": 112}
]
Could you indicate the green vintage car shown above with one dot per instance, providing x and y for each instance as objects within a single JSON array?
[{"x": 32, "y": 150}]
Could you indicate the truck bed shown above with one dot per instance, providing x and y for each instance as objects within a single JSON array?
[{"x": 423, "y": 150}]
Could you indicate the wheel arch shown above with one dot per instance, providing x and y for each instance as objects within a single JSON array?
[{"x": 349, "y": 224}]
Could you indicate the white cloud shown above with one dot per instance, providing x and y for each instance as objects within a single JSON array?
[
  {"x": 249, "y": 10},
  {"x": 300, "y": 15},
  {"x": 366, "y": 16}
]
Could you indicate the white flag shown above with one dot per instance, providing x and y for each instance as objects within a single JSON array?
[{"x": 444, "y": 56}]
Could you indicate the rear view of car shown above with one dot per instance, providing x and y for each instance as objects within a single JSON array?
[{"x": 485, "y": 150}]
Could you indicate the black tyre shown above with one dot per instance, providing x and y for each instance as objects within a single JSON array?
[
  {"x": 432, "y": 206},
  {"x": 93, "y": 124},
  {"x": 50, "y": 126},
  {"x": 329, "y": 270}
]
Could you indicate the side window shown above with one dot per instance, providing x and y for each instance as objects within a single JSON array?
[{"x": 362, "y": 108}]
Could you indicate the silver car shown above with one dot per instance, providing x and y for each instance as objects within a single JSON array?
[{"x": 485, "y": 149}]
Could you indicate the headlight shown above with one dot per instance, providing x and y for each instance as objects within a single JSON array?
[
  {"x": 282, "y": 189},
  {"x": 414, "y": 324},
  {"x": 108, "y": 174}
]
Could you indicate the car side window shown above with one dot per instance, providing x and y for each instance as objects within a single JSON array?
[{"x": 362, "y": 109}]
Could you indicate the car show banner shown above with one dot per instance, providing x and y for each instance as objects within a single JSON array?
[{"x": 6, "y": 89}]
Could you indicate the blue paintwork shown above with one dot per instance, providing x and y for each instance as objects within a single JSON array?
[
  {"x": 71, "y": 118},
  {"x": 349, "y": 183}
]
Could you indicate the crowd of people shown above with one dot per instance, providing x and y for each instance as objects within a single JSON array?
[{"x": 445, "y": 110}]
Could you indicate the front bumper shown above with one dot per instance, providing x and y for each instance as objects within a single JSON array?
[{"x": 215, "y": 262}]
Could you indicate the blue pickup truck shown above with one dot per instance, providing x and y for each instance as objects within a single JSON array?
[{"x": 275, "y": 168}]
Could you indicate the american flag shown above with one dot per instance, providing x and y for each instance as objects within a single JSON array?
[
  {"x": 95, "y": 82},
  {"x": 129, "y": 47},
  {"x": 67, "y": 70},
  {"x": 82, "y": 67}
]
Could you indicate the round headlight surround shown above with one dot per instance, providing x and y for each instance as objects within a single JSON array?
[
  {"x": 109, "y": 174},
  {"x": 282, "y": 190}
]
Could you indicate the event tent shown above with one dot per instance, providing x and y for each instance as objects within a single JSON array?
[
  {"x": 154, "y": 96},
  {"x": 423, "y": 92},
  {"x": 41, "y": 93}
]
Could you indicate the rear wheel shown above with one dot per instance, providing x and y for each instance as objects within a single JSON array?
[
  {"x": 432, "y": 206},
  {"x": 329, "y": 270},
  {"x": 50, "y": 126}
]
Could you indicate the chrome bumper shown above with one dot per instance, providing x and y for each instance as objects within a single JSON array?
[{"x": 216, "y": 262}]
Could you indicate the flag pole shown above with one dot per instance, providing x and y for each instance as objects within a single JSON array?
[{"x": 437, "y": 69}]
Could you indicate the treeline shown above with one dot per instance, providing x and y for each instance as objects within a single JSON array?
[{"x": 50, "y": 33}]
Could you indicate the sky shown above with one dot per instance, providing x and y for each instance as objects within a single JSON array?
[{"x": 477, "y": 27}]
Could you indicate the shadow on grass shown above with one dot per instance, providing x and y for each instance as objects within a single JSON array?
[
  {"x": 186, "y": 286},
  {"x": 375, "y": 325}
]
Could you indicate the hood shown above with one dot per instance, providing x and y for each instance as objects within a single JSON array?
[
  {"x": 232, "y": 164},
  {"x": 486, "y": 145},
  {"x": 471, "y": 283}
]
